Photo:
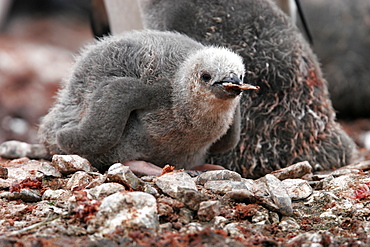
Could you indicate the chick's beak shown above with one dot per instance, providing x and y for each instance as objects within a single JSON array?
[{"x": 232, "y": 79}]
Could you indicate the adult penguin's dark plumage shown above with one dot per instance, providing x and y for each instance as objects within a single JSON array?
[{"x": 290, "y": 118}]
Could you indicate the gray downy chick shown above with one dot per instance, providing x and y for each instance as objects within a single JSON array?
[
  {"x": 290, "y": 119},
  {"x": 154, "y": 96}
]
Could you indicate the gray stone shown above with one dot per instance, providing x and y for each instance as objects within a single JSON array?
[
  {"x": 343, "y": 171},
  {"x": 261, "y": 217},
  {"x": 105, "y": 190},
  {"x": 17, "y": 149},
  {"x": 98, "y": 179},
  {"x": 147, "y": 188},
  {"x": 122, "y": 174},
  {"x": 164, "y": 209},
  {"x": 68, "y": 164},
  {"x": 289, "y": 224},
  {"x": 170, "y": 183},
  {"x": 279, "y": 194},
  {"x": 321, "y": 197},
  {"x": 49, "y": 170},
  {"x": 217, "y": 175},
  {"x": 185, "y": 216},
  {"x": 56, "y": 195},
  {"x": 274, "y": 217},
  {"x": 220, "y": 221},
  {"x": 223, "y": 186},
  {"x": 240, "y": 195},
  {"x": 298, "y": 189},
  {"x": 253, "y": 185},
  {"x": 340, "y": 183},
  {"x": 208, "y": 210},
  {"x": 323, "y": 183},
  {"x": 6, "y": 183},
  {"x": 127, "y": 210},
  {"x": 25, "y": 195},
  {"x": 233, "y": 230},
  {"x": 20, "y": 169},
  {"x": 363, "y": 165},
  {"x": 297, "y": 170},
  {"x": 192, "y": 228},
  {"x": 191, "y": 198},
  {"x": 311, "y": 239},
  {"x": 79, "y": 178}
]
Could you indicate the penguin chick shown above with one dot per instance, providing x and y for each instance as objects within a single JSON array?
[
  {"x": 154, "y": 96},
  {"x": 290, "y": 119}
]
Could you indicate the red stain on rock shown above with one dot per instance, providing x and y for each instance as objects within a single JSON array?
[{"x": 27, "y": 184}]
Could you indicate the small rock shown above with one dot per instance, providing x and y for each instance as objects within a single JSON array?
[
  {"x": 170, "y": 201},
  {"x": 323, "y": 183},
  {"x": 6, "y": 183},
  {"x": 297, "y": 170},
  {"x": 274, "y": 217},
  {"x": 25, "y": 195},
  {"x": 105, "y": 190},
  {"x": 341, "y": 172},
  {"x": 279, "y": 194},
  {"x": 170, "y": 183},
  {"x": 223, "y": 186},
  {"x": 289, "y": 224},
  {"x": 218, "y": 175},
  {"x": 122, "y": 174},
  {"x": 321, "y": 197},
  {"x": 68, "y": 164},
  {"x": 56, "y": 195},
  {"x": 340, "y": 183},
  {"x": 208, "y": 210},
  {"x": 9, "y": 195},
  {"x": 28, "y": 195},
  {"x": 328, "y": 214},
  {"x": 253, "y": 185},
  {"x": 185, "y": 216},
  {"x": 233, "y": 230},
  {"x": 127, "y": 210},
  {"x": 240, "y": 196},
  {"x": 311, "y": 239},
  {"x": 49, "y": 170},
  {"x": 220, "y": 221},
  {"x": 78, "y": 179},
  {"x": 148, "y": 178},
  {"x": 164, "y": 209},
  {"x": 191, "y": 198},
  {"x": 192, "y": 228},
  {"x": 17, "y": 149},
  {"x": 298, "y": 189},
  {"x": 363, "y": 165},
  {"x": 3, "y": 172},
  {"x": 21, "y": 169},
  {"x": 261, "y": 217},
  {"x": 98, "y": 179}
]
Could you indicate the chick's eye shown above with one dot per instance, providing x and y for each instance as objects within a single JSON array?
[{"x": 206, "y": 77}]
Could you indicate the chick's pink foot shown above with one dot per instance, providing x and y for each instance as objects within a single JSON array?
[{"x": 143, "y": 168}]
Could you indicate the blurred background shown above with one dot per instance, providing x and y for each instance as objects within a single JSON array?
[{"x": 39, "y": 38}]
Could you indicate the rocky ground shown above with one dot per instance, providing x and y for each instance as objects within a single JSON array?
[{"x": 65, "y": 202}]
